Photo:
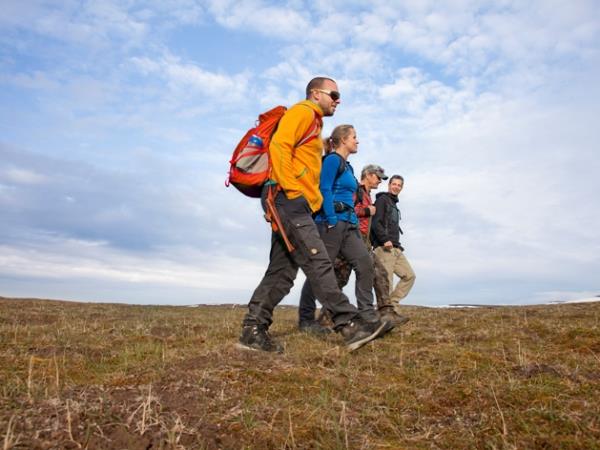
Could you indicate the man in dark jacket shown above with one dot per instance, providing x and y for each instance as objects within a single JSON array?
[{"x": 385, "y": 237}]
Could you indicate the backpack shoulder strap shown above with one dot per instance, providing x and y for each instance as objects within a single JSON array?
[
  {"x": 313, "y": 131},
  {"x": 360, "y": 192},
  {"x": 342, "y": 166}
]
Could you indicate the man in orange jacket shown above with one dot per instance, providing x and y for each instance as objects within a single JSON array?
[{"x": 295, "y": 171}]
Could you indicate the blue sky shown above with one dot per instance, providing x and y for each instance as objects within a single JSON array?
[{"x": 117, "y": 121}]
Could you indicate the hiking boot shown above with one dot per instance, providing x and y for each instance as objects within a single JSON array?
[
  {"x": 394, "y": 317},
  {"x": 357, "y": 332},
  {"x": 387, "y": 327},
  {"x": 313, "y": 327},
  {"x": 324, "y": 318},
  {"x": 256, "y": 337}
]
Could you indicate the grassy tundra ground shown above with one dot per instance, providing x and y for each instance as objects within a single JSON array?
[{"x": 105, "y": 376}]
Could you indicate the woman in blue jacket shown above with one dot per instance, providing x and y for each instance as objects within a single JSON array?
[{"x": 338, "y": 226}]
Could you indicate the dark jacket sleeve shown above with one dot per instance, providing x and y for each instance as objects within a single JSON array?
[{"x": 378, "y": 222}]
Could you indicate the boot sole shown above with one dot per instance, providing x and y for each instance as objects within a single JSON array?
[
  {"x": 358, "y": 344},
  {"x": 387, "y": 327},
  {"x": 245, "y": 347},
  {"x": 241, "y": 346}
]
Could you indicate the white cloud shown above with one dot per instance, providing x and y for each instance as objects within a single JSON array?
[
  {"x": 469, "y": 38},
  {"x": 34, "y": 80},
  {"x": 424, "y": 102},
  {"x": 187, "y": 12},
  {"x": 93, "y": 24},
  {"x": 76, "y": 259},
  {"x": 356, "y": 61},
  {"x": 372, "y": 29},
  {"x": 22, "y": 176},
  {"x": 96, "y": 24},
  {"x": 183, "y": 77},
  {"x": 254, "y": 15}
]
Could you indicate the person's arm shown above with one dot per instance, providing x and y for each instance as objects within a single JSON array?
[
  {"x": 290, "y": 130},
  {"x": 329, "y": 171},
  {"x": 362, "y": 208}
]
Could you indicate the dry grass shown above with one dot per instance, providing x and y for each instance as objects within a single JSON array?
[{"x": 76, "y": 375}]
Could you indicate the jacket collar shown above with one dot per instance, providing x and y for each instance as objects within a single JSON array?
[
  {"x": 390, "y": 195},
  {"x": 316, "y": 108}
]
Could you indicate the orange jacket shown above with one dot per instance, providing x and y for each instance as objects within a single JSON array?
[{"x": 297, "y": 169}]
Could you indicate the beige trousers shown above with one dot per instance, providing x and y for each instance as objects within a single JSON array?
[{"x": 395, "y": 262}]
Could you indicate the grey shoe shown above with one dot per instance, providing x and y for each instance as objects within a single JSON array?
[
  {"x": 357, "y": 332},
  {"x": 256, "y": 337},
  {"x": 394, "y": 317},
  {"x": 313, "y": 327}
]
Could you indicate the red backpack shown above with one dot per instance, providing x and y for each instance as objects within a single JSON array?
[{"x": 250, "y": 165}]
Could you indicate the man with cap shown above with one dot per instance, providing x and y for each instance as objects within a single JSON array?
[{"x": 371, "y": 177}]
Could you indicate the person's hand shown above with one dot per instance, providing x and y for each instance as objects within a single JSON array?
[{"x": 372, "y": 210}]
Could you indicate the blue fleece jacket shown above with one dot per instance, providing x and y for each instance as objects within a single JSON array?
[{"x": 337, "y": 189}]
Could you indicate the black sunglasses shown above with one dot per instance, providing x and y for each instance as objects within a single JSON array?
[{"x": 335, "y": 95}]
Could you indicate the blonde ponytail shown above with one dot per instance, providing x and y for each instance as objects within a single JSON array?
[{"x": 337, "y": 135}]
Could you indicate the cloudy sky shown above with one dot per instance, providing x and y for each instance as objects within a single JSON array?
[{"x": 118, "y": 118}]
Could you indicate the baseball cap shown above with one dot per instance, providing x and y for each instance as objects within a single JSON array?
[{"x": 377, "y": 170}]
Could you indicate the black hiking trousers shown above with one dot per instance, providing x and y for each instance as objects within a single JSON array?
[
  {"x": 310, "y": 255},
  {"x": 344, "y": 239},
  {"x": 343, "y": 270}
]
